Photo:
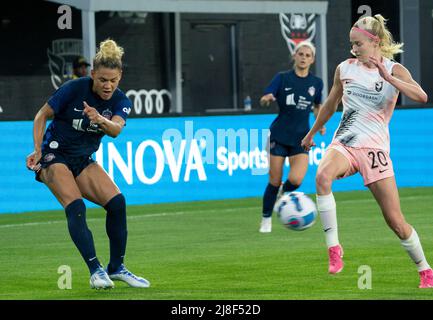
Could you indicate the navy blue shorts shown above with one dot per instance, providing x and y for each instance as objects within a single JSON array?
[
  {"x": 75, "y": 164},
  {"x": 281, "y": 150}
]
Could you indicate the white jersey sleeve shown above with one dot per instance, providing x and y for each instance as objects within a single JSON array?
[{"x": 368, "y": 103}]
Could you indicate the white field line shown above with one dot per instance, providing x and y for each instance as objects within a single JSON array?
[
  {"x": 174, "y": 213},
  {"x": 162, "y": 214}
]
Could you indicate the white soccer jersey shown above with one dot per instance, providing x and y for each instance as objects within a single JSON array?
[{"x": 368, "y": 104}]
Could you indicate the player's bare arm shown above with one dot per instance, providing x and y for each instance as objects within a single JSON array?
[
  {"x": 111, "y": 127},
  {"x": 326, "y": 111},
  {"x": 316, "y": 110},
  {"x": 402, "y": 80},
  {"x": 40, "y": 121},
  {"x": 266, "y": 100}
]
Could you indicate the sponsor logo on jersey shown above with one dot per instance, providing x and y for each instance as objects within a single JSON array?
[
  {"x": 290, "y": 100},
  {"x": 362, "y": 95}
]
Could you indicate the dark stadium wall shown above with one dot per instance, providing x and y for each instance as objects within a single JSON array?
[
  {"x": 25, "y": 81},
  {"x": 27, "y": 34},
  {"x": 261, "y": 51},
  {"x": 426, "y": 25},
  {"x": 28, "y": 73}
]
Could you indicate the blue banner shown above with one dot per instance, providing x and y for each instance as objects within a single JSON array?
[{"x": 202, "y": 158}]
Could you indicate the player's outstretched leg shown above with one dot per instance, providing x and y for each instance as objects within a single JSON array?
[
  {"x": 386, "y": 193},
  {"x": 83, "y": 239},
  {"x": 328, "y": 215},
  {"x": 117, "y": 233},
  {"x": 413, "y": 247},
  {"x": 116, "y": 228}
]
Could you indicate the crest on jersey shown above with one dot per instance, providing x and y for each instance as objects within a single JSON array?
[
  {"x": 311, "y": 91},
  {"x": 107, "y": 114},
  {"x": 60, "y": 57},
  {"x": 297, "y": 27},
  {"x": 378, "y": 86},
  {"x": 49, "y": 157}
]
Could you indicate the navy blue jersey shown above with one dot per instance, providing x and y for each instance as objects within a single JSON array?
[
  {"x": 71, "y": 132},
  {"x": 296, "y": 96}
]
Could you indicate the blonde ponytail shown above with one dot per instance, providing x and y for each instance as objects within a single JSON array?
[
  {"x": 109, "y": 55},
  {"x": 377, "y": 27}
]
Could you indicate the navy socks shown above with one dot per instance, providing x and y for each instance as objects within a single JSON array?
[
  {"x": 269, "y": 199},
  {"x": 270, "y": 196},
  {"x": 80, "y": 233},
  {"x": 115, "y": 227},
  {"x": 289, "y": 187},
  {"x": 116, "y": 230}
]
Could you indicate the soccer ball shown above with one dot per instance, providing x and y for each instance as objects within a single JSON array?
[{"x": 296, "y": 211}]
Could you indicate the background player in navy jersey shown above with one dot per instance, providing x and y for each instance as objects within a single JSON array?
[
  {"x": 83, "y": 111},
  {"x": 297, "y": 92}
]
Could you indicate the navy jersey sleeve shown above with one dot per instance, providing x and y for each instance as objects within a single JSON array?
[
  {"x": 318, "y": 97},
  {"x": 62, "y": 96},
  {"x": 274, "y": 86},
  {"x": 123, "y": 107}
]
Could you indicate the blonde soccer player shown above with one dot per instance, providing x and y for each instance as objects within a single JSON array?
[
  {"x": 83, "y": 111},
  {"x": 368, "y": 86},
  {"x": 297, "y": 92}
]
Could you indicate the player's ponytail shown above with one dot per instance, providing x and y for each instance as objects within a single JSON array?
[
  {"x": 109, "y": 55},
  {"x": 376, "y": 26}
]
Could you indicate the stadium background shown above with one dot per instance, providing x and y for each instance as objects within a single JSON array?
[{"x": 235, "y": 55}]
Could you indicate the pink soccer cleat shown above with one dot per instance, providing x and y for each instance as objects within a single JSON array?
[
  {"x": 426, "y": 278},
  {"x": 336, "y": 263}
]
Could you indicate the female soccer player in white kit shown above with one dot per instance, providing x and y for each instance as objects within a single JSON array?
[{"x": 368, "y": 87}]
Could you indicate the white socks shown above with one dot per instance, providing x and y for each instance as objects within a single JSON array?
[
  {"x": 328, "y": 215},
  {"x": 413, "y": 247}
]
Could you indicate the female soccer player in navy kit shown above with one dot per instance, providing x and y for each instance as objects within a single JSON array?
[
  {"x": 368, "y": 86},
  {"x": 297, "y": 92},
  {"x": 83, "y": 111}
]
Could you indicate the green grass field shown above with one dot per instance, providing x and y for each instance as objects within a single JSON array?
[{"x": 213, "y": 250}]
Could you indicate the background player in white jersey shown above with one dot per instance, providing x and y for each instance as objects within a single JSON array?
[{"x": 368, "y": 86}]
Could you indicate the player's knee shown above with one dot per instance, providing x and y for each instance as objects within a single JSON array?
[
  {"x": 75, "y": 207},
  {"x": 323, "y": 180},
  {"x": 276, "y": 182},
  {"x": 76, "y": 215},
  {"x": 295, "y": 181},
  {"x": 117, "y": 203}
]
